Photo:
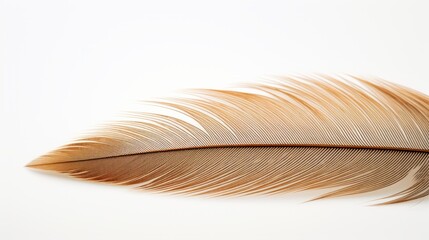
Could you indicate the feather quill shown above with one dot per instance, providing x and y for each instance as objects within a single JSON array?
[{"x": 346, "y": 134}]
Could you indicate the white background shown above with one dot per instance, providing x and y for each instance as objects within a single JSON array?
[{"x": 68, "y": 66}]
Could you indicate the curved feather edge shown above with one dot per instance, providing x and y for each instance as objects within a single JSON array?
[{"x": 346, "y": 133}]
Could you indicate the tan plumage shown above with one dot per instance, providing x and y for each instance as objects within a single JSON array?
[{"x": 347, "y": 134}]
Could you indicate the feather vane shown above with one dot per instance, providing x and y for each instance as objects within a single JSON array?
[{"x": 298, "y": 133}]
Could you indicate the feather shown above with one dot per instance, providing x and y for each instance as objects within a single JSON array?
[{"x": 347, "y": 135}]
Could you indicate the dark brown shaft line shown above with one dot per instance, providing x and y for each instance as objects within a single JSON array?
[{"x": 244, "y": 145}]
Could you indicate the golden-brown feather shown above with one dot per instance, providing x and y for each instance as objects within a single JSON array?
[{"x": 297, "y": 133}]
